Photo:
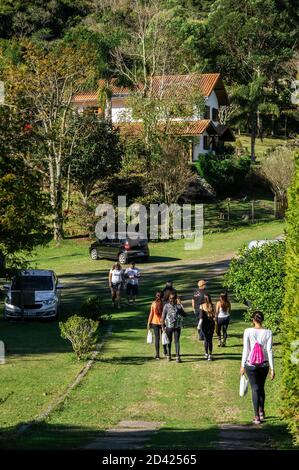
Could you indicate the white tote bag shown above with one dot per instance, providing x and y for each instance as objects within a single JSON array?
[
  {"x": 165, "y": 339},
  {"x": 149, "y": 338},
  {"x": 243, "y": 386}
]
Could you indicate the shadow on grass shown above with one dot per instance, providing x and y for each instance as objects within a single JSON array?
[
  {"x": 45, "y": 436},
  {"x": 38, "y": 338}
]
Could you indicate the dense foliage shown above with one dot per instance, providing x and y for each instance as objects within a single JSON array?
[
  {"x": 23, "y": 206},
  {"x": 290, "y": 325},
  {"x": 97, "y": 153},
  {"x": 225, "y": 173},
  {"x": 52, "y": 50},
  {"x": 82, "y": 333},
  {"x": 256, "y": 276}
]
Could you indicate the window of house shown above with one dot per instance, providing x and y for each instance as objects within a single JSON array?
[
  {"x": 207, "y": 112},
  {"x": 91, "y": 110},
  {"x": 206, "y": 142},
  {"x": 215, "y": 114}
]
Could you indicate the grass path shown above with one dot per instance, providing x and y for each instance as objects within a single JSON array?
[{"x": 192, "y": 399}]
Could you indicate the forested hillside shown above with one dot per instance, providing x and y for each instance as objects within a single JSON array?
[{"x": 51, "y": 50}]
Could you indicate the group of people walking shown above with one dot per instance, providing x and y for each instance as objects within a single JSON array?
[
  {"x": 167, "y": 313},
  {"x": 166, "y": 319},
  {"x": 119, "y": 279}
]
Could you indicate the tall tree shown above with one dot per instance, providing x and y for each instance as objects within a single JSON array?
[
  {"x": 46, "y": 81},
  {"x": 23, "y": 206},
  {"x": 97, "y": 153},
  {"x": 251, "y": 41}
]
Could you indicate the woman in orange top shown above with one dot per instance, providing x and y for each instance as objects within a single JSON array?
[{"x": 154, "y": 322}]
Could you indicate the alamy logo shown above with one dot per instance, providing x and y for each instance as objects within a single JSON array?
[
  {"x": 295, "y": 352},
  {"x": 2, "y": 352},
  {"x": 295, "y": 92},
  {"x": 2, "y": 93},
  {"x": 159, "y": 221}
]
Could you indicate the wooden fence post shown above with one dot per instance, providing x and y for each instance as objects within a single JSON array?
[
  {"x": 252, "y": 211},
  {"x": 275, "y": 206},
  {"x": 228, "y": 209}
]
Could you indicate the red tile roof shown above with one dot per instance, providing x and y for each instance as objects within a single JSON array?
[
  {"x": 205, "y": 82},
  {"x": 168, "y": 85},
  {"x": 184, "y": 128}
]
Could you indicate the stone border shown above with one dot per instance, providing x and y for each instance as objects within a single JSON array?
[{"x": 56, "y": 403}]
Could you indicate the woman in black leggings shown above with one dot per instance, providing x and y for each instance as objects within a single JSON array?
[
  {"x": 223, "y": 309},
  {"x": 172, "y": 319},
  {"x": 154, "y": 322},
  {"x": 207, "y": 325},
  {"x": 260, "y": 338}
]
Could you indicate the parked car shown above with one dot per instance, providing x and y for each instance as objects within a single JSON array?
[
  {"x": 33, "y": 294},
  {"x": 259, "y": 243},
  {"x": 122, "y": 250}
]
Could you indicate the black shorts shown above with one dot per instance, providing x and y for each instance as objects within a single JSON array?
[
  {"x": 132, "y": 289},
  {"x": 116, "y": 287}
]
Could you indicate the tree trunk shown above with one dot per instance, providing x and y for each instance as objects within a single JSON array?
[
  {"x": 259, "y": 125},
  {"x": 272, "y": 127},
  {"x": 253, "y": 137},
  {"x": 58, "y": 215},
  {"x": 108, "y": 110},
  {"x": 56, "y": 202},
  {"x": 68, "y": 188}
]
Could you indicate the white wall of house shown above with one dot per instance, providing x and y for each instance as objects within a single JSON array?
[
  {"x": 198, "y": 147},
  {"x": 212, "y": 101},
  {"x": 120, "y": 112}
]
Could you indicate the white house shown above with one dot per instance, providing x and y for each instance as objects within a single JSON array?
[{"x": 204, "y": 131}]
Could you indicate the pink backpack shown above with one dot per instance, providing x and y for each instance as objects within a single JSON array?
[{"x": 256, "y": 356}]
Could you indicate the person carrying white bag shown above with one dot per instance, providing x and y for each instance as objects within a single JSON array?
[
  {"x": 257, "y": 361},
  {"x": 154, "y": 323}
]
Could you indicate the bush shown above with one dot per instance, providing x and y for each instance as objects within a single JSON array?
[
  {"x": 257, "y": 277},
  {"x": 81, "y": 332},
  {"x": 91, "y": 308},
  {"x": 290, "y": 326},
  {"x": 224, "y": 173}
]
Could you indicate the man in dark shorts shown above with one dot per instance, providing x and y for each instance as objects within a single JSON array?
[
  {"x": 197, "y": 301},
  {"x": 132, "y": 274}
]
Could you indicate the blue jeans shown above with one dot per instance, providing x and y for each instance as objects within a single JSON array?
[{"x": 222, "y": 324}]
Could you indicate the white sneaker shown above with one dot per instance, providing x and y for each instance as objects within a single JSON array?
[
  {"x": 206, "y": 356},
  {"x": 210, "y": 358}
]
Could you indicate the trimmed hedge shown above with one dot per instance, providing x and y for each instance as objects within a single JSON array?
[
  {"x": 256, "y": 277},
  {"x": 225, "y": 173},
  {"x": 290, "y": 327}
]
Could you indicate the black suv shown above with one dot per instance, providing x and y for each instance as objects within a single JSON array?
[{"x": 123, "y": 250}]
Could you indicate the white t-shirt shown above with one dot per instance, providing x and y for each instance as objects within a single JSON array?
[
  {"x": 116, "y": 276},
  {"x": 264, "y": 338},
  {"x": 223, "y": 313},
  {"x": 132, "y": 274}
]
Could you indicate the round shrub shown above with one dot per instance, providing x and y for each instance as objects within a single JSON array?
[
  {"x": 81, "y": 332},
  {"x": 257, "y": 277},
  {"x": 225, "y": 173}
]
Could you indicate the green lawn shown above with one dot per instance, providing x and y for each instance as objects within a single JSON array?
[
  {"x": 191, "y": 398},
  {"x": 261, "y": 146},
  {"x": 71, "y": 256}
]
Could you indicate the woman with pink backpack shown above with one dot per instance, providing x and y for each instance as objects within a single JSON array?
[{"x": 257, "y": 359}]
